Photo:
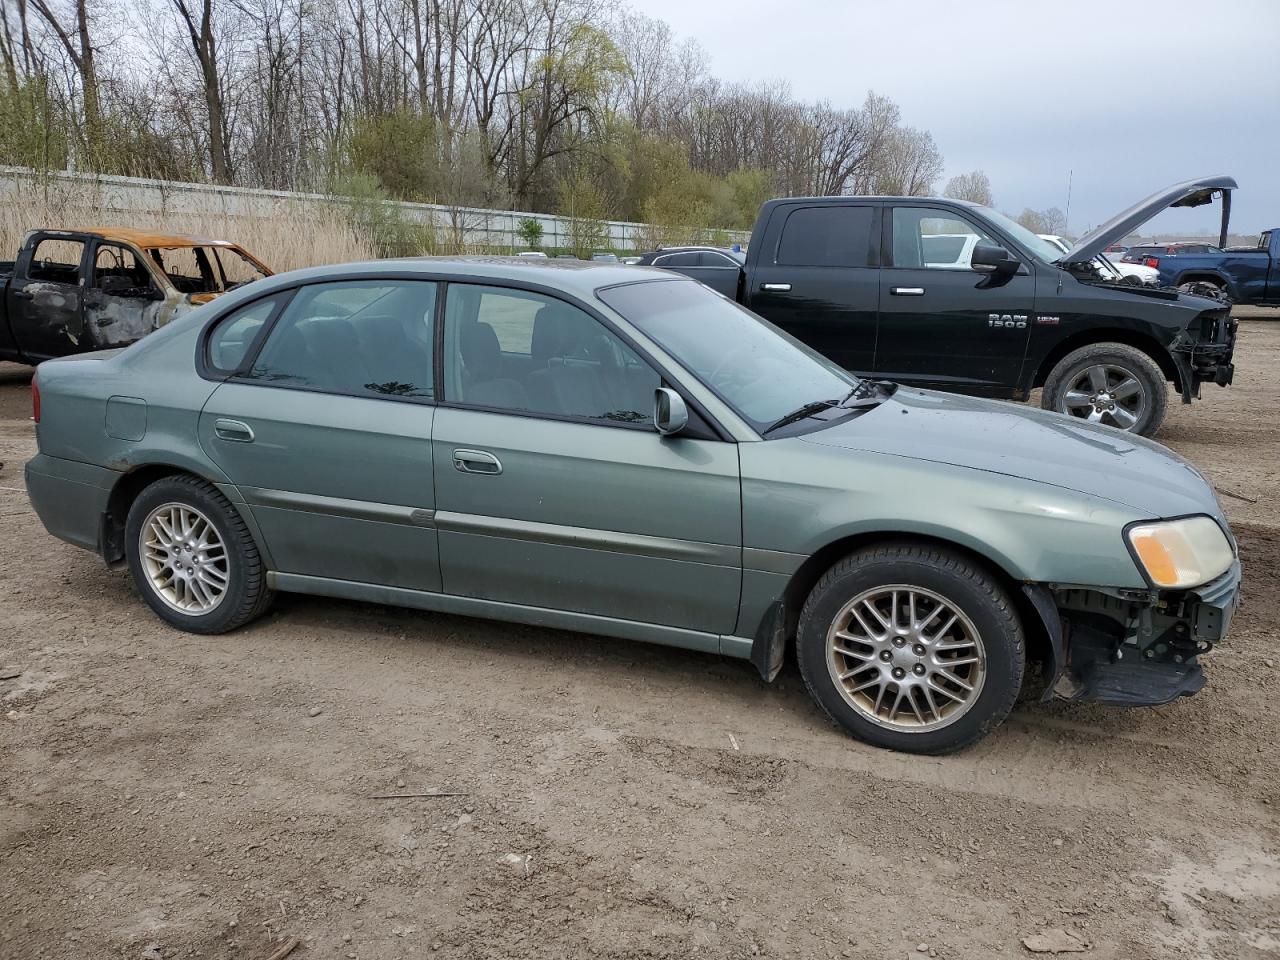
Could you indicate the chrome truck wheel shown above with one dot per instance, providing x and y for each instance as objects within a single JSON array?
[
  {"x": 1106, "y": 393},
  {"x": 1113, "y": 384}
]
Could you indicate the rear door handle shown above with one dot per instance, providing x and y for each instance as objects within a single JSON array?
[
  {"x": 476, "y": 461},
  {"x": 23, "y": 295},
  {"x": 777, "y": 287},
  {"x": 233, "y": 430},
  {"x": 907, "y": 291}
]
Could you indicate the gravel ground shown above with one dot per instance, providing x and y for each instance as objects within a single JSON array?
[{"x": 167, "y": 795}]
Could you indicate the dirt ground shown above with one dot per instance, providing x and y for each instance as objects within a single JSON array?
[{"x": 167, "y": 795}]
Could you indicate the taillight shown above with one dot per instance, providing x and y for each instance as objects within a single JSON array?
[
  {"x": 1152, "y": 262},
  {"x": 35, "y": 400}
]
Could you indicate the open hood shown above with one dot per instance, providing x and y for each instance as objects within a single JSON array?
[{"x": 1191, "y": 193}]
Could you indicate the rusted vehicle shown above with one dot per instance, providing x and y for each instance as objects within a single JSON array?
[{"x": 71, "y": 291}]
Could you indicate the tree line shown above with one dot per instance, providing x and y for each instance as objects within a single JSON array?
[{"x": 576, "y": 107}]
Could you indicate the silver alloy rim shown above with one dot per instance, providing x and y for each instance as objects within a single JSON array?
[
  {"x": 906, "y": 658},
  {"x": 184, "y": 559},
  {"x": 1105, "y": 393}
]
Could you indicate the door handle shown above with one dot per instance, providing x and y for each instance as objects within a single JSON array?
[
  {"x": 476, "y": 461},
  {"x": 23, "y": 295},
  {"x": 907, "y": 291},
  {"x": 233, "y": 430},
  {"x": 778, "y": 287}
]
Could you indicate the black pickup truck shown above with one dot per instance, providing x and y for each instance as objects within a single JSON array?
[{"x": 955, "y": 296}]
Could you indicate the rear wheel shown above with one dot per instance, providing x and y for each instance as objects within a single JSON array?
[
  {"x": 1109, "y": 383},
  {"x": 1206, "y": 288},
  {"x": 192, "y": 557},
  {"x": 911, "y": 647}
]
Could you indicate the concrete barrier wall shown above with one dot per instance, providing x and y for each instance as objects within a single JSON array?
[{"x": 467, "y": 225}]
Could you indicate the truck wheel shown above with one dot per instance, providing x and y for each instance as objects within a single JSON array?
[
  {"x": 1206, "y": 288},
  {"x": 192, "y": 557},
  {"x": 912, "y": 648},
  {"x": 1111, "y": 383}
]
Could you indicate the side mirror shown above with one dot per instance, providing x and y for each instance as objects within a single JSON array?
[
  {"x": 670, "y": 415},
  {"x": 990, "y": 259}
]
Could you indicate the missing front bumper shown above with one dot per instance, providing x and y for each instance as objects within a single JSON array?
[{"x": 1135, "y": 648}]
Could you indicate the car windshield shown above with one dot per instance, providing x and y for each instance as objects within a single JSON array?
[
  {"x": 1041, "y": 249},
  {"x": 754, "y": 367}
]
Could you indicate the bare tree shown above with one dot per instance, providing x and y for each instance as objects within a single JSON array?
[
  {"x": 974, "y": 187},
  {"x": 908, "y": 165}
]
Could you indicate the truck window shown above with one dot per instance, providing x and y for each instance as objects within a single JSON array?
[
  {"x": 933, "y": 239},
  {"x": 1264, "y": 241},
  {"x": 188, "y": 268},
  {"x": 118, "y": 272},
  {"x": 237, "y": 269},
  {"x": 55, "y": 260},
  {"x": 835, "y": 236}
]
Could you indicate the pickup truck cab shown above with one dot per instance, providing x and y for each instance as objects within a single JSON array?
[
  {"x": 72, "y": 291},
  {"x": 1242, "y": 275},
  {"x": 952, "y": 295}
]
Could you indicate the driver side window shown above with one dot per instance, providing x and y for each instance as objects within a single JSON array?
[
  {"x": 933, "y": 239},
  {"x": 523, "y": 352},
  {"x": 118, "y": 272}
]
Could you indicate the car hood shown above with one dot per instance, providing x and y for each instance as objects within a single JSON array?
[
  {"x": 1191, "y": 193},
  {"x": 1017, "y": 441}
]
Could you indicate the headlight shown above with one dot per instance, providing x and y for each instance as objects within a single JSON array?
[{"x": 1181, "y": 553}]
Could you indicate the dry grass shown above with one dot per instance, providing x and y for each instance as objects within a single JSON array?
[{"x": 291, "y": 237}]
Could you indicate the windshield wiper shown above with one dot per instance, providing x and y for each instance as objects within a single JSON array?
[{"x": 808, "y": 410}]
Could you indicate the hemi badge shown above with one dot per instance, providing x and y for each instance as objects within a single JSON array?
[{"x": 1047, "y": 320}]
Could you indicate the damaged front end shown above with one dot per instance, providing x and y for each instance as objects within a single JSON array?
[
  {"x": 1132, "y": 647},
  {"x": 1203, "y": 351}
]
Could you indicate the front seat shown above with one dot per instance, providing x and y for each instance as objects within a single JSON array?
[{"x": 484, "y": 384}]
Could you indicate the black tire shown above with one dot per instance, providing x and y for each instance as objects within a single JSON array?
[
  {"x": 246, "y": 595},
  {"x": 1120, "y": 356},
  {"x": 966, "y": 586}
]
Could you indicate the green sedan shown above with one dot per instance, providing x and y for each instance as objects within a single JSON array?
[{"x": 620, "y": 451}]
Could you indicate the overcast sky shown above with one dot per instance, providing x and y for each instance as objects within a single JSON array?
[{"x": 1129, "y": 96}]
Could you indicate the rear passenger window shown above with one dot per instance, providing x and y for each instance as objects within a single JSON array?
[
  {"x": 524, "y": 352},
  {"x": 370, "y": 338},
  {"x": 56, "y": 261},
  {"x": 677, "y": 260},
  {"x": 837, "y": 236},
  {"x": 231, "y": 339}
]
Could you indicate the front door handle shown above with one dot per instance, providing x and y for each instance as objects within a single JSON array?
[
  {"x": 233, "y": 430},
  {"x": 776, "y": 287},
  {"x": 907, "y": 291},
  {"x": 23, "y": 295},
  {"x": 476, "y": 461}
]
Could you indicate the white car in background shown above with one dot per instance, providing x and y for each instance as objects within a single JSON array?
[{"x": 1116, "y": 269}]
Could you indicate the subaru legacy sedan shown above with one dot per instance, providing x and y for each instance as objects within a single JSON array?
[{"x": 621, "y": 451}]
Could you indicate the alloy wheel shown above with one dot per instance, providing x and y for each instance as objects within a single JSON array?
[
  {"x": 906, "y": 658},
  {"x": 1106, "y": 393},
  {"x": 184, "y": 559}
]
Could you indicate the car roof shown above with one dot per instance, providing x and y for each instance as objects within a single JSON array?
[
  {"x": 145, "y": 238},
  {"x": 579, "y": 277}
]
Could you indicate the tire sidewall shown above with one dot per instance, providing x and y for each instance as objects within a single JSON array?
[
  {"x": 212, "y": 506},
  {"x": 1001, "y": 639},
  {"x": 1138, "y": 364}
]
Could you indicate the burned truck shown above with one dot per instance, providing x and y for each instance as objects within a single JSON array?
[{"x": 72, "y": 291}]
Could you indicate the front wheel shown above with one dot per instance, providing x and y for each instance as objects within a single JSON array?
[
  {"x": 1109, "y": 383},
  {"x": 911, "y": 647}
]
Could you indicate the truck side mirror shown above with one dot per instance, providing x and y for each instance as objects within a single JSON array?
[{"x": 990, "y": 259}]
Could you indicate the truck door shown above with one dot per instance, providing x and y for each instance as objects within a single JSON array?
[
  {"x": 46, "y": 298},
  {"x": 941, "y": 324},
  {"x": 817, "y": 277}
]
